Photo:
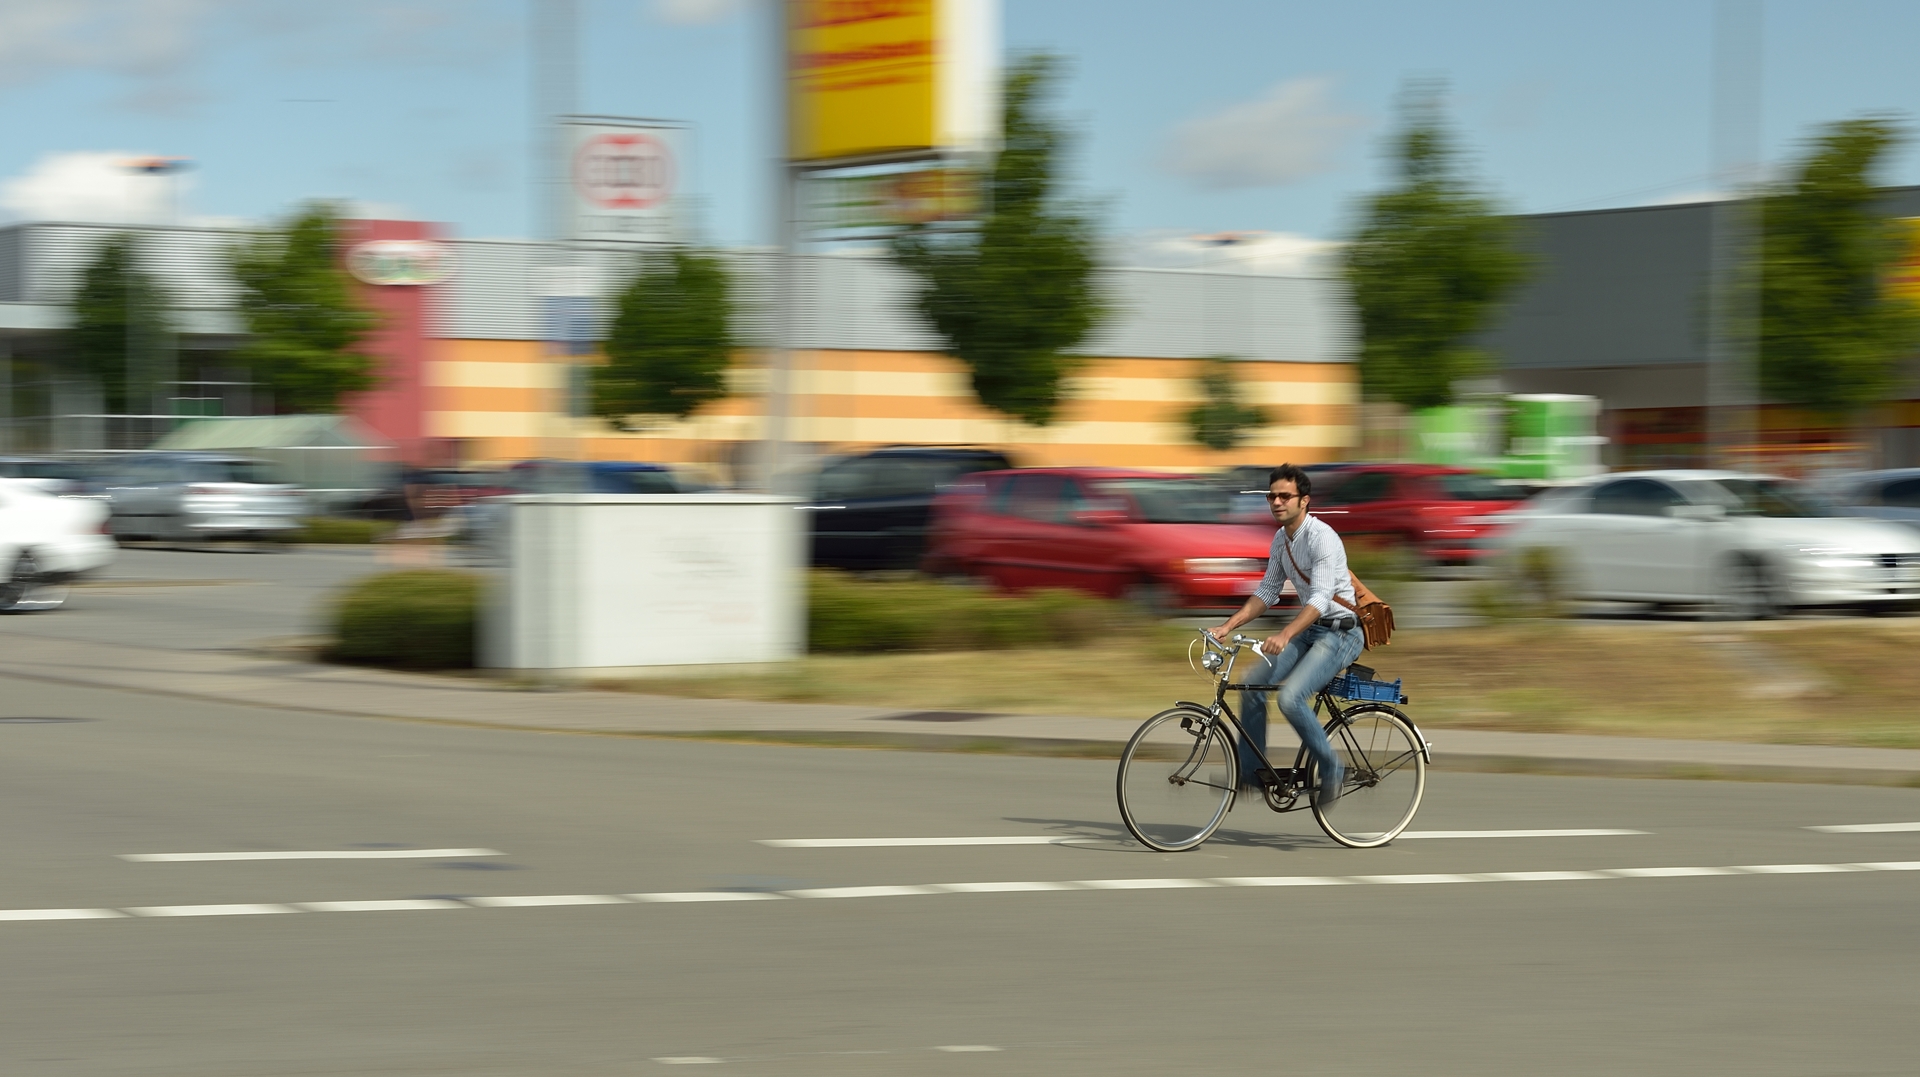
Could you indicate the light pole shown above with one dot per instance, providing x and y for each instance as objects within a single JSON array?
[
  {"x": 167, "y": 170},
  {"x": 1733, "y": 296}
]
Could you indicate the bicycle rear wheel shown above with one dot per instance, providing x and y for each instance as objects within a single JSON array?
[
  {"x": 1176, "y": 780},
  {"x": 1386, "y": 777}
]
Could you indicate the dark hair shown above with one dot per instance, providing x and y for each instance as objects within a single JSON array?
[{"x": 1302, "y": 482}]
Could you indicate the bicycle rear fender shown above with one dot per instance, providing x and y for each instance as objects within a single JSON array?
[{"x": 1426, "y": 747}]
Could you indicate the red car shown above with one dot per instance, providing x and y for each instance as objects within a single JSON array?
[
  {"x": 1437, "y": 511},
  {"x": 1168, "y": 542}
]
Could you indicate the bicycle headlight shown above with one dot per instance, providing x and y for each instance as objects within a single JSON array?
[{"x": 1212, "y": 661}]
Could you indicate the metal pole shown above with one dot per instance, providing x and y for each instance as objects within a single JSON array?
[
  {"x": 774, "y": 444},
  {"x": 555, "y": 40},
  {"x": 6, "y": 395},
  {"x": 1734, "y": 298}
]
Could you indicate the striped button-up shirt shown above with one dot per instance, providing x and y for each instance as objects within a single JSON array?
[{"x": 1317, "y": 567}]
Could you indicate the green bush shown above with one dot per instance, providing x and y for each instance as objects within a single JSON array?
[
  {"x": 849, "y": 614},
  {"x": 1527, "y": 584},
  {"x": 418, "y": 619},
  {"x": 342, "y": 530},
  {"x": 1381, "y": 560}
]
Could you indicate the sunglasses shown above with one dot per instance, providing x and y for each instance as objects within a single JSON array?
[{"x": 1280, "y": 499}]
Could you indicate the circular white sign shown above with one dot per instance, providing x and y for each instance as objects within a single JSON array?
[
  {"x": 399, "y": 261},
  {"x": 624, "y": 171}
]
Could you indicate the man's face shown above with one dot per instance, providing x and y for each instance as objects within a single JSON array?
[{"x": 1285, "y": 502}]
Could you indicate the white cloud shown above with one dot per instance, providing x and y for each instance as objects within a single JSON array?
[
  {"x": 691, "y": 12},
  {"x": 93, "y": 187},
  {"x": 1276, "y": 254},
  {"x": 1292, "y": 131},
  {"x": 151, "y": 40},
  {"x": 158, "y": 45}
]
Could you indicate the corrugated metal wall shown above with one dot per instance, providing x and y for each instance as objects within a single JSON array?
[{"x": 853, "y": 303}]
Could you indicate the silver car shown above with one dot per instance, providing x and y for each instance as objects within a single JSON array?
[
  {"x": 1747, "y": 544},
  {"x": 1884, "y": 495},
  {"x": 180, "y": 497}
]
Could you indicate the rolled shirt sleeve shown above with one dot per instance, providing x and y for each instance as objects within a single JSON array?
[{"x": 1276, "y": 577}]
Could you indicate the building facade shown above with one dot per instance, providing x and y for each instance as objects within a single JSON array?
[
  {"x": 1617, "y": 308},
  {"x": 469, "y": 371}
]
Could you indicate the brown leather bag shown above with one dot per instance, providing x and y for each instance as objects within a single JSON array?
[{"x": 1373, "y": 615}]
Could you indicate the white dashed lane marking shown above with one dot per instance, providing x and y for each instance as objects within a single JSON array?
[
  {"x": 516, "y": 901},
  {"x": 1046, "y": 839},
  {"x": 312, "y": 854},
  {"x": 1868, "y": 828}
]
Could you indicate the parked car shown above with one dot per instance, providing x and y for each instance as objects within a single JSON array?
[
  {"x": 60, "y": 477},
  {"x": 871, "y": 511},
  {"x": 435, "y": 491},
  {"x": 1886, "y": 495},
  {"x": 1168, "y": 542},
  {"x": 1746, "y": 544},
  {"x": 478, "y": 522},
  {"x": 1248, "y": 483},
  {"x": 187, "y": 496},
  {"x": 596, "y": 477},
  {"x": 1441, "y": 513},
  {"x": 45, "y": 543}
]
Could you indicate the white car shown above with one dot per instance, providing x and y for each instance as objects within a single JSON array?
[
  {"x": 1745, "y": 544},
  {"x": 45, "y": 542}
]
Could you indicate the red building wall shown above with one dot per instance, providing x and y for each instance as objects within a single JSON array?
[{"x": 396, "y": 406}]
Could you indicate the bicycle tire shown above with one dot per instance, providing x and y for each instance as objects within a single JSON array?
[
  {"x": 1385, "y": 781},
  {"x": 1176, "y": 782}
]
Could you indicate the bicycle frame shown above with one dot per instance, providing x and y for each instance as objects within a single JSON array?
[{"x": 1290, "y": 783}]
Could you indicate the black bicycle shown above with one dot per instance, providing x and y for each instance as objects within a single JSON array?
[{"x": 1179, "y": 775}]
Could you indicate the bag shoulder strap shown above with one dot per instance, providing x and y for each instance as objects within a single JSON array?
[{"x": 1286, "y": 547}]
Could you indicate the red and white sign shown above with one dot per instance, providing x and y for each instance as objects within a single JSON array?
[
  {"x": 624, "y": 171},
  {"x": 625, "y": 177},
  {"x": 391, "y": 262}
]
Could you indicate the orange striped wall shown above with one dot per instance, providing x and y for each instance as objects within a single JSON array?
[{"x": 503, "y": 400}]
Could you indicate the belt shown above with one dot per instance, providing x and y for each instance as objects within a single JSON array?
[{"x": 1338, "y": 624}]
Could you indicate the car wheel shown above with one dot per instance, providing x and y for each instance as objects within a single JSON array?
[
  {"x": 1746, "y": 594},
  {"x": 28, "y": 590}
]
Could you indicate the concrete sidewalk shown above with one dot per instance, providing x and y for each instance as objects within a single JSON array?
[{"x": 239, "y": 677}]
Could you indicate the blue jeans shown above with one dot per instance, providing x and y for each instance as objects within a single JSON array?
[{"x": 1307, "y": 663}]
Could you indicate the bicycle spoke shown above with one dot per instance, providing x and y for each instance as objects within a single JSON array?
[
  {"x": 1386, "y": 776},
  {"x": 1176, "y": 782}
]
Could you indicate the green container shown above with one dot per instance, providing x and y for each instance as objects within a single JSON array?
[
  {"x": 1458, "y": 435},
  {"x": 1551, "y": 436}
]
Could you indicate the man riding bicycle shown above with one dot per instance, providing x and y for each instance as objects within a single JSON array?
[{"x": 1315, "y": 646}]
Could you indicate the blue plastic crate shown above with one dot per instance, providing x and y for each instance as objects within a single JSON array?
[{"x": 1345, "y": 687}]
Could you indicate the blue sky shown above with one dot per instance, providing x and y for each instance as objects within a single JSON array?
[{"x": 1193, "y": 116}]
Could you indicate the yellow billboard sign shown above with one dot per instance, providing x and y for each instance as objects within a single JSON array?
[{"x": 889, "y": 79}]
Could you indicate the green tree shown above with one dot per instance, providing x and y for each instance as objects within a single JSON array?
[
  {"x": 1011, "y": 296},
  {"x": 1222, "y": 421},
  {"x": 1831, "y": 338},
  {"x": 120, "y": 325},
  {"x": 1429, "y": 263},
  {"x": 671, "y": 341},
  {"x": 305, "y": 326}
]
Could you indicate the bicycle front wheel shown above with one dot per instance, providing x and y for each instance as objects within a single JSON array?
[
  {"x": 1386, "y": 777},
  {"x": 1176, "y": 780}
]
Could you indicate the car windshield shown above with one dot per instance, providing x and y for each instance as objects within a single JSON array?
[
  {"x": 257, "y": 471},
  {"x": 1470, "y": 487},
  {"x": 1768, "y": 497},
  {"x": 635, "y": 481},
  {"x": 1174, "y": 501}
]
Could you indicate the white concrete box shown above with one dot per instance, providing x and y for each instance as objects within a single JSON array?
[{"x": 606, "y": 585}]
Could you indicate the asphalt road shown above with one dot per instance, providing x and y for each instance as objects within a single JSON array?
[
  {"x": 1429, "y": 956},
  {"x": 193, "y": 598}
]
